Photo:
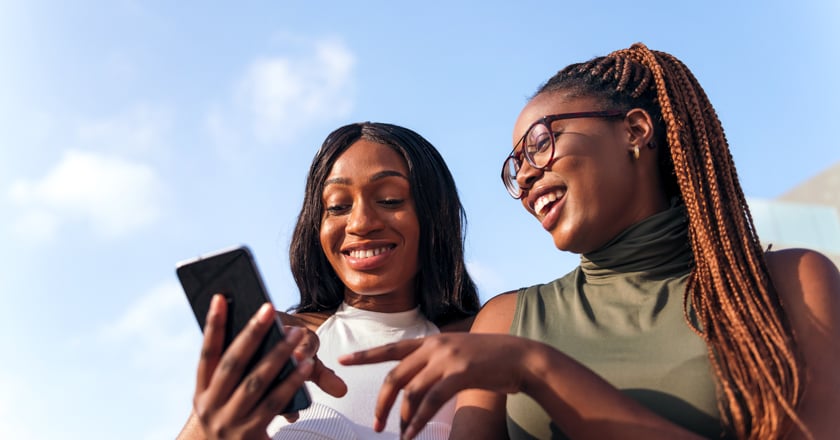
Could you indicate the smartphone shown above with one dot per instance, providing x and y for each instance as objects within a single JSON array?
[{"x": 233, "y": 273}]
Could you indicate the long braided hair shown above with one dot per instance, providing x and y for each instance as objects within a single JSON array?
[{"x": 729, "y": 294}]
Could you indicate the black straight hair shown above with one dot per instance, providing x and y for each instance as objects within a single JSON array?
[{"x": 445, "y": 292}]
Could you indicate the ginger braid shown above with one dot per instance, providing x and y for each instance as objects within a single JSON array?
[{"x": 730, "y": 300}]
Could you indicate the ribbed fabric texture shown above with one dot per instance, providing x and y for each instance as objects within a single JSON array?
[{"x": 351, "y": 417}]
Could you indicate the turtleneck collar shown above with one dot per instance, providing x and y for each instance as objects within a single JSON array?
[
  {"x": 381, "y": 319},
  {"x": 658, "y": 246}
]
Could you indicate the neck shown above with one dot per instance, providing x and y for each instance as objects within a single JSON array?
[{"x": 384, "y": 303}]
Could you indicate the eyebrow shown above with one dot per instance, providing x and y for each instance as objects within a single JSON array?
[{"x": 374, "y": 178}]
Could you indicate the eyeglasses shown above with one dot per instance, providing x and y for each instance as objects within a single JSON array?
[{"x": 537, "y": 145}]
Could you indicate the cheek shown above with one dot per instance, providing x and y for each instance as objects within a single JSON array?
[
  {"x": 330, "y": 233},
  {"x": 410, "y": 226}
]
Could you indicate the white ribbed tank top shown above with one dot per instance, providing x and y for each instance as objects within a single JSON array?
[{"x": 351, "y": 417}]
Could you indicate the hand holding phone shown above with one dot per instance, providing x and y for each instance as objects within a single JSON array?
[{"x": 233, "y": 273}]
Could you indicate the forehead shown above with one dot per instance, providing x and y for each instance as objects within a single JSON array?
[
  {"x": 364, "y": 159},
  {"x": 546, "y": 104}
]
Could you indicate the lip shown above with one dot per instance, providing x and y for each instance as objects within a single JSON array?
[
  {"x": 535, "y": 193},
  {"x": 373, "y": 254},
  {"x": 548, "y": 218}
]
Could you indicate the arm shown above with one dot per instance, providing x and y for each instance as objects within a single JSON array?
[
  {"x": 481, "y": 413},
  {"x": 434, "y": 369},
  {"x": 550, "y": 376},
  {"x": 808, "y": 284}
]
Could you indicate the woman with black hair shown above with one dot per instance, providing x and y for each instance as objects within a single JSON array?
[{"x": 377, "y": 254}]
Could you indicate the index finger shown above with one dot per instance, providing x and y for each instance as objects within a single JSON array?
[
  {"x": 214, "y": 336},
  {"x": 390, "y": 352}
]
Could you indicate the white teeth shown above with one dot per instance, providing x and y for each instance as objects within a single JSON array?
[
  {"x": 545, "y": 199},
  {"x": 367, "y": 253}
]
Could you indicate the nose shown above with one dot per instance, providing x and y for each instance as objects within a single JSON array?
[
  {"x": 363, "y": 219},
  {"x": 527, "y": 175}
]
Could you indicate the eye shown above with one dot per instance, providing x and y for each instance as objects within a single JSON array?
[
  {"x": 538, "y": 140},
  {"x": 391, "y": 202},
  {"x": 543, "y": 143},
  {"x": 337, "y": 209}
]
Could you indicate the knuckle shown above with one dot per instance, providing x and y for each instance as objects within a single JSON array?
[
  {"x": 202, "y": 413},
  {"x": 254, "y": 383},
  {"x": 274, "y": 404},
  {"x": 391, "y": 377},
  {"x": 210, "y": 353},
  {"x": 391, "y": 349},
  {"x": 229, "y": 364},
  {"x": 218, "y": 430},
  {"x": 412, "y": 395}
]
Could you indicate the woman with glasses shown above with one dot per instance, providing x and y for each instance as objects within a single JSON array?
[
  {"x": 377, "y": 255},
  {"x": 676, "y": 323}
]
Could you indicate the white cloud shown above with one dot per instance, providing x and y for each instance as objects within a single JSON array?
[
  {"x": 159, "y": 326},
  {"x": 112, "y": 195},
  {"x": 139, "y": 130},
  {"x": 278, "y": 97}
]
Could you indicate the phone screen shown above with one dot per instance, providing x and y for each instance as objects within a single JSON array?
[{"x": 233, "y": 273}]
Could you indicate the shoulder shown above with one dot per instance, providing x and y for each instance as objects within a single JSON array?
[
  {"x": 497, "y": 314},
  {"x": 804, "y": 278},
  {"x": 310, "y": 320},
  {"x": 461, "y": 325},
  {"x": 808, "y": 284}
]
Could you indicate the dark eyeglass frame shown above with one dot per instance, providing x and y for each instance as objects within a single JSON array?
[{"x": 545, "y": 121}]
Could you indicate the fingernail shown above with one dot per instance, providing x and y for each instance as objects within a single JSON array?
[
  {"x": 215, "y": 303},
  {"x": 349, "y": 357},
  {"x": 265, "y": 313},
  {"x": 305, "y": 366}
]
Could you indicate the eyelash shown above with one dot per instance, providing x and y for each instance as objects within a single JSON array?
[
  {"x": 391, "y": 202},
  {"x": 340, "y": 209}
]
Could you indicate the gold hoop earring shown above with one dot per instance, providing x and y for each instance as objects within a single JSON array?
[{"x": 636, "y": 153}]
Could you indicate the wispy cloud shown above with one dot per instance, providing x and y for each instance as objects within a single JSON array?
[
  {"x": 159, "y": 326},
  {"x": 114, "y": 196},
  {"x": 141, "y": 130},
  {"x": 161, "y": 341},
  {"x": 277, "y": 97}
]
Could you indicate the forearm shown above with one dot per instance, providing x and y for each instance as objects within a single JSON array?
[
  {"x": 583, "y": 404},
  {"x": 479, "y": 414}
]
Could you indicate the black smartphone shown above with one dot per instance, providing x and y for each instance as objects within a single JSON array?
[{"x": 233, "y": 272}]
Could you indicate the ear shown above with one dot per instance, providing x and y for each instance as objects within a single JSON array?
[{"x": 639, "y": 127}]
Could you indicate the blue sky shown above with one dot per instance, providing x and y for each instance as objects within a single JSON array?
[{"x": 135, "y": 134}]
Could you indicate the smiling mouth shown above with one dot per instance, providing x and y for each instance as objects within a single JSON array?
[
  {"x": 368, "y": 253},
  {"x": 545, "y": 201}
]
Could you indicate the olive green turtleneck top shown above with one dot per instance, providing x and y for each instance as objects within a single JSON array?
[{"x": 620, "y": 313}]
